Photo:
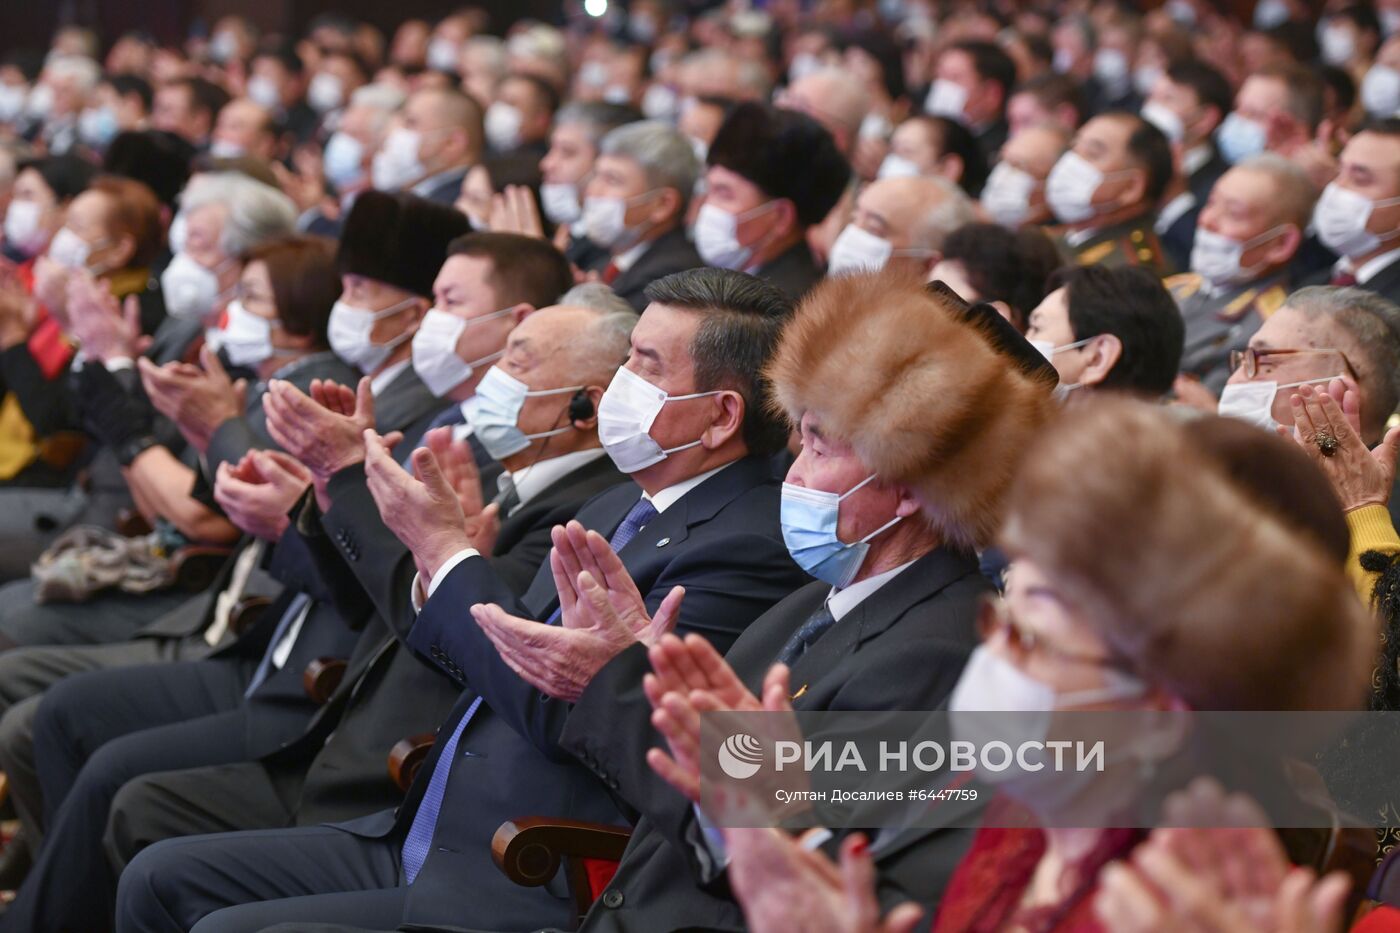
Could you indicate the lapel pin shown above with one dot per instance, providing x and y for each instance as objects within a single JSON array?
[
  {"x": 798, "y": 693},
  {"x": 663, "y": 542}
]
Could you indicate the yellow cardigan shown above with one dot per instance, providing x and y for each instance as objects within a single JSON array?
[{"x": 1371, "y": 530}]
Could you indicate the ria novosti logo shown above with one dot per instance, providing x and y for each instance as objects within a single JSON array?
[{"x": 740, "y": 756}]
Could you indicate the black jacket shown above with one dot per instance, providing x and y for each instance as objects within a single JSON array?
[{"x": 668, "y": 253}]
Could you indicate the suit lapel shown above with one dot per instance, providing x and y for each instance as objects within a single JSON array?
[{"x": 402, "y": 402}]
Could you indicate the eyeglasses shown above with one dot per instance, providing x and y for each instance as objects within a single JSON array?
[
  {"x": 1248, "y": 358},
  {"x": 994, "y": 618}
]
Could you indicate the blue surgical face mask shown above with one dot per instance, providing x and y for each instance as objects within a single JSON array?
[
  {"x": 809, "y": 518},
  {"x": 494, "y": 409}
]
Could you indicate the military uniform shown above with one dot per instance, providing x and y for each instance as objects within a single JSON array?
[
  {"x": 1130, "y": 243},
  {"x": 1221, "y": 320}
]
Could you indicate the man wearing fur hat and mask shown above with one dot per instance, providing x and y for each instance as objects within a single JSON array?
[
  {"x": 884, "y": 507},
  {"x": 771, "y": 175}
]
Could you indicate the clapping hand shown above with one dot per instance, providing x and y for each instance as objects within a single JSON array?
[
  {"x": 1331, "y": 419},
  {"x": 104, "y": 330},
  {"x": 327, "y": 439},
  {"x": 258, "y": 492},
  {"x": 197, "y": 400}
]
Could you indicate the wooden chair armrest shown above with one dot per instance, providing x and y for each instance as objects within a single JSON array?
[
  {"x": 529, "y": 850},
  {"x": 322, "y": 677},
  {"x": 196, "y": 566},
  {"x": 407, "y": 756},
  {"x": 132, "y": 524},
  {"x": 246, "y": 613}
]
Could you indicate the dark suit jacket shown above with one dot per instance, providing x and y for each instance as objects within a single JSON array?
[
  {"x": 389, "y": 692},
  {"x": 444, "y": 187},
  {"x": 902, "y": 648},
  {"x": 991, "y": 139},
  {"x": 792, "y": 272},
  {"x": 1181, "y": 236},
  {"x": 668, "y": 253},
  {"x": 585, "y": 254},
  {"x": 1385, "y": 283},
  {"x": 1205, "y": 177},
  {"x": 721, "y": 541}
]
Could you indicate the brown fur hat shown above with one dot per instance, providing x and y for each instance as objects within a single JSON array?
[{"x": 902, "y": 375}]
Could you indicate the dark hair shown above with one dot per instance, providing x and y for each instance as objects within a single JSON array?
[
  {"x": 1005, "y": 265},
  {"x": 29, "y": 62},
  {"x": 743, "y": 317},
  {"x": 284, "y": 54},
  {"x": 67, "y": 176},
  {"x": 1362, "y": 15},
  {"x": 523, "y": 268},
  {"x": 305, "y": 283},
  {"x": 354, "y": 58},
  {"x": 1342, "y": 86},
  {"x": 204, "y": 95},
  {"x": 1039, "y": 47},
  {"x": 1209, "y": 85},
  {"x": 1387, "y": 126},
  {"x": 1296, "y": 38},
  {"x": 134, "y": 212},
  {"x": 127, "y": 84},
  {"x": 1133, "y": 305},
  {"x": 991, "y": 64},
  {"x": 1055, "y": 90},
  {"x": 159, "y": 159},
  {"x": 541, "y": 88},
  {"x": 881, "y": 47},
  {"x": 785, "y": 153},
  {"x": 1149, "y": 146},
  {"x": 956, "y": 139}
]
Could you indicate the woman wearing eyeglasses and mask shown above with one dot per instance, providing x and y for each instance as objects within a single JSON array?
[{"x": 1119, "y": 527}]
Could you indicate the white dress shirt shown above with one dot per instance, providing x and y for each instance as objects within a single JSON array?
[{"x": 1369, "y": 269}]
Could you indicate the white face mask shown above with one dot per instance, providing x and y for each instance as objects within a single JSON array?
[
  {"x": 1338, "y": 45},
  {"x": 617, "y": 94},
  {"x": 12, "y": 97},
  {"x": 560, "y": 202},
  {"x": 344, "y": 160},
  {"x": 1111, "y": 69},
  {"x": 1062, "y": 61},
  {"x": 98, "y": 126},
  {"x": 1145, "y": 78},
  {"x": 1270, "y": 13},
  {"x": 351, "y": 330},
  {"x": 802, "y": 65},
  {"x": 70, "y": 250},
  {"x": 660, "y": 102},
  {"x": 435, "y": 358},
  {"x": 225, "y": 149},
  {"x": 593, "y": 74},
  {"x": 946, "y": 99},
  {"x": 263, "y": 92},
  {"x": 23, "y": 230},
  {"x": 495, "y": 408},
  {"x": 605, "y": 221},
  {"x": 1218, "y": 258},
  {"x": 625, "y": 416},
  {"x": 1390, "y": 21},
  {"x": 896, "y": 166},
  {"x": 1165, "y": 119},
  {"x": 224, "y": 47},
  {"x": 1007, "y": 195},
  {"x": 247, "y": 338},
  {"x": 396, "y": 165},
  {"x": 1341, "y": 217},
  {"x": 442, "y": 54},
  {"x": 856, "y": 249},
  {"x": 1253, "y": 402},
  {"x": 1071, "y": 187},
  {"x": 325, "y": 92},
  {"x": 191, "y": 291},
  {"x": 40, "y": 101},
  {"x": 1380, "y": 91},
  {"x": 503, "y": 126},
  {"x": 1240, "y": 137},
  {"x": 1048, "y": 350},
  {"x": 717, "y": 236}
]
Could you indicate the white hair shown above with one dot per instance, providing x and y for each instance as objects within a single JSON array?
[
  {"x": 492, "y": 51},
  {"x": 954, "y": 210},
  {"x": 256, "y": 212},
  {"x": 383, "y": 99},
  {"x": 81, "y": 70},
  {"x": 597, "y": 297},
  {"x": 1295, "y": 192},
  {"x": 665, "y": 155}
]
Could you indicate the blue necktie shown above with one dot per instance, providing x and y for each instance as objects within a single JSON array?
[
  {"x": 636, "y": 520},
  {"x": 806, "y": 636},
  {"x": 420, "y": 834},
  {"x": 264, "y": 670}
]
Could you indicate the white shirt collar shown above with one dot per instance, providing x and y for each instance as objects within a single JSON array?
[
  {"x": 1194, "y": 159},
  {"x": 377, "y": 384},
  {"x": 1373, "y": 267},
  {"x": 628, "y": 258},
  {"x": 1173, "y": 211},
  {"x": 669, "y": 496},
  {"x": 534, "y": 479},
  {"x": 841, "y": 602}
]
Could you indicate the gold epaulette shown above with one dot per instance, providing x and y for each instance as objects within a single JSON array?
[{"x": 1184, "y": 284}]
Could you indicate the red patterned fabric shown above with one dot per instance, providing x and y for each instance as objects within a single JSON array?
[
  {"x": 985, "y": 893},
  {"x": 1381, "y": 920}
]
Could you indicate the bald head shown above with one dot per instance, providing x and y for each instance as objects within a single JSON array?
[
  {"x": 830, "y": 97},
  {"x": 913, "y": 213}
]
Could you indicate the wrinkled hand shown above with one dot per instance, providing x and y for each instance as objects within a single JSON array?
[
  {"x": 18, "y": 310},
  {"x": 260, "y": 490},
  {"x": 679, "y": 694},
  {"x": 1219, "y": 869},
  {"x": 104, "y": 330},
  {"x": 325, "y": 440},
  {"x": 458, "y": 466},
  {"x": 197, "y": 400},
  {"x": 1360, "y": 476},
  {"x": 602, "y": 615},
  {"x": 782, "y": 886},
  {"x": 51, "y": 285},
  {"x": 421, "y": 509},
  {"x": 514, "y": 211}
]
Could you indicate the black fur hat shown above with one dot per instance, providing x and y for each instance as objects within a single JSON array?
[
  {"x": 787, "y": 154},
  {"x": 398, "y": 238}
]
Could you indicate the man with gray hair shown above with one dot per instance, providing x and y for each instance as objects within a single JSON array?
[
  {"x": 830, "y": 97},
  {"x": 1247, "y": 236},
  {"x": 350, "y": 151},
  {"x": 901, "y": 221},
  {"x": 579, "y": 128},
  {"x": 1321, "y": 333},
  {"x": 635, "y": 207}
]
